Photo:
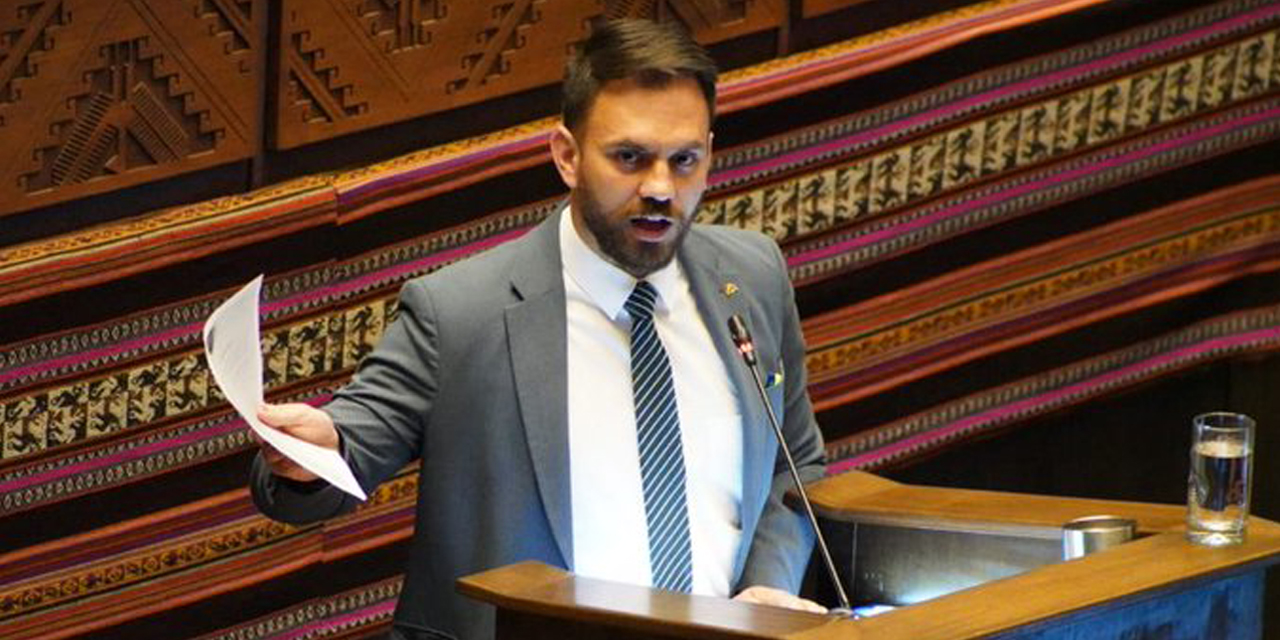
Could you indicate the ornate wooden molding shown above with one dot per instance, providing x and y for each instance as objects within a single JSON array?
[
  {"x": 708, "y": 20},
  {"x": 348, "y": 65},
  {"x": 99, "y": 95}
]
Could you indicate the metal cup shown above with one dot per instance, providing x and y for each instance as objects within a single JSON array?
[{"x": 1090, "y": 534}]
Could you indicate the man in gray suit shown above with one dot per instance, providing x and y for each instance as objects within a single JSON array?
[{"x": 513, "y": 375}]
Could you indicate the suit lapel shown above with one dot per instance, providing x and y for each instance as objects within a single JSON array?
[
  {"x": 717, "y": 289},
  {"x": 536, "y": 330}
]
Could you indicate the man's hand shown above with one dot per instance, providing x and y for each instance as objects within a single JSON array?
[
  {"x": 778, "y": 598},
  {"x": 303, "y": 422}
]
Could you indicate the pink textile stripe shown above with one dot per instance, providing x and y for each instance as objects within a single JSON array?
[
  {"x": 394, "y": 272},
  {"x": 923, "y": 35},
  {"x": 940, "y": 113},
  {"x": 120, "y": 457},
  {"x": 1008, "y": 194},
  {"x": 1028, "y": 405},
  {"x": 176, "y": 333},
  {"x": 347, "y": 195},
  {"x": 192, "y": 331},
  {"x": 136, "y": 453},
  {"x": 356, "y": 192},
  {"x": 359, "y": 615}
]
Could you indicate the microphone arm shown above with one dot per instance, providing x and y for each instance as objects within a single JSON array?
[{"x": 742, "y": 339}]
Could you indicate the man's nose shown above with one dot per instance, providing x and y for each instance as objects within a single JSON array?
[{"x": 658, "y": 184}]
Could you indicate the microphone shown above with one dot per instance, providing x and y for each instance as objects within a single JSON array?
[{"x": 746, "y": 347}]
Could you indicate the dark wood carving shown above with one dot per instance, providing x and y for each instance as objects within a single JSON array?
[
  {"x": 348, "y": 65},
  {"x": 812, "y": 8},
  {"x": 709, "y": 20},
  {"x": 96, "y": 95}
]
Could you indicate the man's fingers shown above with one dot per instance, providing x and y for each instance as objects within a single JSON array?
[
  {"x": 810, "y": 606},
  {"x": 283, "y": 416},
  {"x": 301, "y": 421},
  {"x": 279, "y": 463},
  {"x": 778, "y": 598}
]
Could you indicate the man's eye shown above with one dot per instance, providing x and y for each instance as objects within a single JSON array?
[
  {"x": 685, "y": 160},
  {"x": 627, "y": 157}
]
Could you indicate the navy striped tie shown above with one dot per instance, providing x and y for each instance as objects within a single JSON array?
[{"x": 661, "y": 453}]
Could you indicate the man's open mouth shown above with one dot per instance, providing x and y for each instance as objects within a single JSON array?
[{"x": 651, "y": 224}]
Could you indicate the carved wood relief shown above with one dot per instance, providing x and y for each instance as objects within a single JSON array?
[
  {"x": 97, "y": 95},
  {"x": 348, "y": 65},
  {"x": 708, "y": 20},
  {"x": 812, "y": 8}
]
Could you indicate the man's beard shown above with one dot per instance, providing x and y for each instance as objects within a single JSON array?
[{"x": 614, "y": 241}]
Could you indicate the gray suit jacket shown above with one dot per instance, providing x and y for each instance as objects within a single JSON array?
[{"x": 471, "y": 379}]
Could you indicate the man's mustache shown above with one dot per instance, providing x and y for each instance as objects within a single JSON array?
[{"x": 655, "y": 208}]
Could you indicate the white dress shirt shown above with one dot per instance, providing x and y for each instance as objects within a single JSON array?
[{"x": 610, "y": 531}]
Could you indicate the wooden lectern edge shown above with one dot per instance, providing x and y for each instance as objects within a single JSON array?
[
  {"x": 503, "y": 586},
  {"x": 857, "y": 496},
  {"x": 540, "y": 589},
  {"x": 1129, "y": 573},
  {"x": 1160, "y": 559}
]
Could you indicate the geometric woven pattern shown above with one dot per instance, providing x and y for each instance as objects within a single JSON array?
[{"x": 1065, "y": 210}]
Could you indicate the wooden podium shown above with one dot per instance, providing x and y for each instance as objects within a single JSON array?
[{"x": 957, "y": 563}]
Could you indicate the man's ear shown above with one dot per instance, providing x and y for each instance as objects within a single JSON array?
[{"x": 566, "y": 154}]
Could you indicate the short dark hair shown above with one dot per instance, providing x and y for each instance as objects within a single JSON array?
[{"x": 652, "y": 53}]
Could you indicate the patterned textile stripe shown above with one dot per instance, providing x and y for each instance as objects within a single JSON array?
[
  {"x": 1143, "y": 74},
  {"x": 363, "y": 611},
  {"x": 1254, "y": 331},
  {"x": 791, "y": 207},
  {"x": 854, "y": 352},
  {"x": 152, "y": 375},
  {"x": 155, "y": 331},
  {"x": 420, "y": 175},
  {"x": 181, "y": 555},
  {"x": 50, "y": 398},
  {"x": 887, "y": 341},
  {"x": 1030, "y": 192},
  {"x": 800, "y": 73},
  {"x": 40, "y": 414},
  {"x": 152, "y": 241},
  {"x": 73, "y": 472},
  {"x": 147, "y": 244}
]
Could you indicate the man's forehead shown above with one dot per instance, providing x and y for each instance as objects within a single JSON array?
[{"x": 624, "y": 111}]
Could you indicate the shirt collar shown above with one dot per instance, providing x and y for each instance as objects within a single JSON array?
[{"x": 608, "y": 286}]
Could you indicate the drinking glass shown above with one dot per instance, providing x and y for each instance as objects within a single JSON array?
[{"x": 1220, "y": 480}]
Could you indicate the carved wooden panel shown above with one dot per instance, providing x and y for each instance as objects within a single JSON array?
[
  {"x": 97, "y": 95},
  {"x": 812, "y": 8},
  {"x": 348, "y": 65},
  {"x": 708, "y": 20}
]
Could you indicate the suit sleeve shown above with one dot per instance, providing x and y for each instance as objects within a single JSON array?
[
  {"x": 381, "y": 416},
  {"x": 783, "y": 540}
]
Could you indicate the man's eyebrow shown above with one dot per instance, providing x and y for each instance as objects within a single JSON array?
[
  {"x": 696, "y": 145},
  {"x": 626, "y": 143}
]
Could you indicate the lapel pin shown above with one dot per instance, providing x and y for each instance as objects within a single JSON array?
[{"x": 730, "y": 289}]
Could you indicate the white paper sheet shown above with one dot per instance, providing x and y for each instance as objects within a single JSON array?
[{"x": 232, "y": 345}]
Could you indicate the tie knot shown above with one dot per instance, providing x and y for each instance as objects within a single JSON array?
[{"x": 640, "y": 304}]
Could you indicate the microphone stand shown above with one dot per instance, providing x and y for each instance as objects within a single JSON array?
[{"x": 742, "y": 339}]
